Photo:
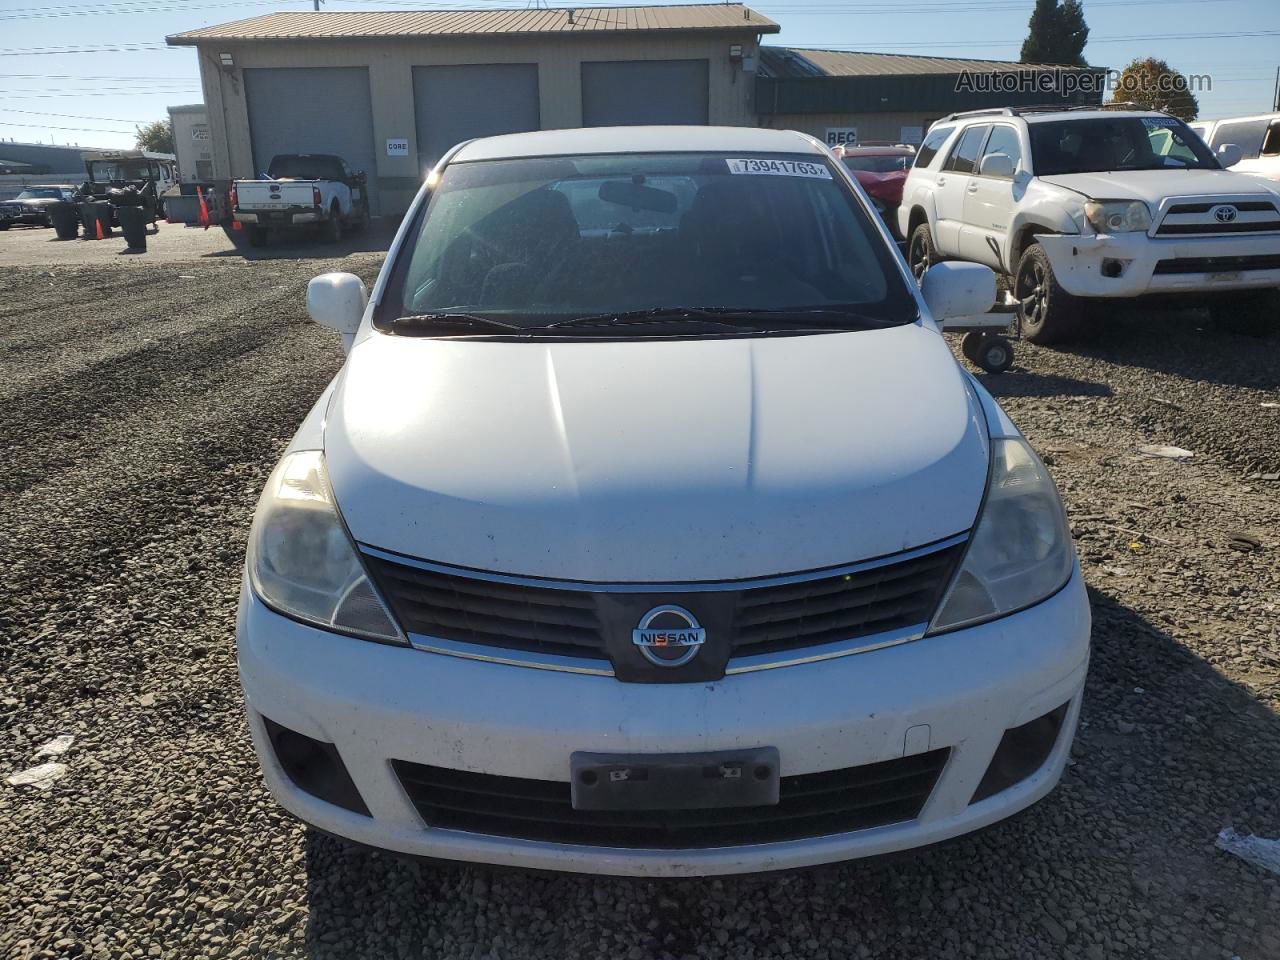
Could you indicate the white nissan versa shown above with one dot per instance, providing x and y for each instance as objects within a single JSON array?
[{"x": 651, "y": 528}]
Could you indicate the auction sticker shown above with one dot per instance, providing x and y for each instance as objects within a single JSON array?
[
  {"x": 780, "y": 168},
  {"x": 1152, "y": 123}
]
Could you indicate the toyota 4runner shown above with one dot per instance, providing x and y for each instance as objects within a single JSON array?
[{"x": 1076, "y": 205}]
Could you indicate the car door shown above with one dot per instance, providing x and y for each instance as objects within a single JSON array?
[
  {"x": 951, "y": 187},
  {"x": 989, "y": 201}
]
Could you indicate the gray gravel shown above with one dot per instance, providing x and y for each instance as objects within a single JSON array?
[{"x": 139, "y": 414}]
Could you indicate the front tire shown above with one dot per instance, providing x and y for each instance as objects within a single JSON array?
[
  {"x": 1253, "y": 315},
  {"x": 921, "y": 253},
  {"x": 1046, "y": 312}
]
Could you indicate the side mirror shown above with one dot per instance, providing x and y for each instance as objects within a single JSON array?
[
  {"x": 958, "y": 290},
  {"x": 997, "y": 165},
  {"x": 337, "y": 301},
  {"x": 1229, "y": 154}
]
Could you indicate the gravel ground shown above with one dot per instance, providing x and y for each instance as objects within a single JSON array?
[{"x": 143, "y": 404}]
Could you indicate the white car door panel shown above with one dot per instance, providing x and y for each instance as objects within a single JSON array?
[
  {"x": 990, "y": 201},
  {"x": 952, "y": 185}
]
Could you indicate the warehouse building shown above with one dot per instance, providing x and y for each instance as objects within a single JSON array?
[
  {"x": 844, "y": 97},
  {"x": 391, "y": 91}
]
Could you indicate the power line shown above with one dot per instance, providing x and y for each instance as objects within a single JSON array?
[
  {"x": 80, "y": 76},
  {"x": 68, "y": 116},
  {"x": 139, "y": 47},
  {"x": 41, "y": 126},
  {"x": 162, "y": 7},
  {"x": 823, "y": 45}
]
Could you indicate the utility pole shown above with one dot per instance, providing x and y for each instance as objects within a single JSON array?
[
  {"x": 1276, "y": 103},
  {"x": 316, "y": 4}
]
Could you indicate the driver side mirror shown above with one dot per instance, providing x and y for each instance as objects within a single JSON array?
[
  {"x": 953, "y": 290},
  {"x": 1229, "y": 154},
  {"x": 997, "y": 165},
  {"x": 337, "y": 301}
]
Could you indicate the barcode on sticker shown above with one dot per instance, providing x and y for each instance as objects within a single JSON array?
[{"x": 780, "y": 168}]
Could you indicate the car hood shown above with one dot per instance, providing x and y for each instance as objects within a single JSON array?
[
  {"x": 1154, "y": 186},
  {"x": 656, "y": 461}
]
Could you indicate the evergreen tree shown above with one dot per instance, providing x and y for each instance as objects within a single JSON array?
[{"x": 1056, "y": 34}]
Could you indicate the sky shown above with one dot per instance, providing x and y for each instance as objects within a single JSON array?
[{"x": 97, "y": 98}]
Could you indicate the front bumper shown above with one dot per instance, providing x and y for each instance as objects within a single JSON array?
[
  {"x": 379, "y": 703},
  {"x": 1082, "y": 263}
]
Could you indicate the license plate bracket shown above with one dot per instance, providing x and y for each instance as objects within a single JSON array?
[{"x": 675, "y": 781}]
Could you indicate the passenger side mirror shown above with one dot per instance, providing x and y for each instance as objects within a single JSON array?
[
  {"x": 997, "y": 165},
  {"x": 1229, "y": 154},
  {"x": 958, "y": 290},
  {"x": 337, "y": 301}
]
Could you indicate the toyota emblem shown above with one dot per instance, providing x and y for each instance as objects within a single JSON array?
[
  {"x": 669, "y": 636},
  {"x": 1225, "y": 213}
]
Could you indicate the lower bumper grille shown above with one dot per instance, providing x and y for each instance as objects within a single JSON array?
[
  {"x": 811, "y": 805},
  {"x": 1219, "y": 264}
]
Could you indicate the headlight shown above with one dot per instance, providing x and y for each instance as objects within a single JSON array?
[
  {"x": 1118, "y": 216},
  {"x": 1020, "y": 551},
  {"x": 302, "y": 561}
]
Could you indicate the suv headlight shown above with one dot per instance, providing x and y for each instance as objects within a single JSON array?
[
  {"x": 1020, "y": 551},
  {"x": 1118, "y": 216},
  {"x": 303, "y": 563}
]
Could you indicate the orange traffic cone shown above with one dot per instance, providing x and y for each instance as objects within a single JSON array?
[
  {"x": 97, "y": 227},
  {"x": 204, "y": 209}
]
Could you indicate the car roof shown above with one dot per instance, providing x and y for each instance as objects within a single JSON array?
[
  {"x": 1088, "y": 115},
  {"x": 878, "y": 152},
  {"x": 589, "y": 140}
]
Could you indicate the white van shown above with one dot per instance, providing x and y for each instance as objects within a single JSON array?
[
  {"x": 1258, "y": 138},
  {"x": 652, "y": 528}
]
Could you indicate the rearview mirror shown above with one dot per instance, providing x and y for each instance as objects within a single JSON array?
[
  {"x": 997, "y": 165},
  {"x": 638, "y": 196},
  {"x": 1229, "y": 154},
  {"x": 958, "y": 290},
  {"x": 337, "y": 301}
]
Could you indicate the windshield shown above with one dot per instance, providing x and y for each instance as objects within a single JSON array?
[
  {"x": 41, "y": 193},
  {"x": 1117, "y": 143},
  {"x": 104, "y": 170},
  {"x": 535, "y": 241},
  {"x": 305, "y": 168},
  {"x": 877, "y": 164}
]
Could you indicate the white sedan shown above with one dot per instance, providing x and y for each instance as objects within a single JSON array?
[{"x": 651, "y": 528}]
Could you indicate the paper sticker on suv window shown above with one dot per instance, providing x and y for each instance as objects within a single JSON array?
[
  {"x": 780, "y": 168},
  {"x": 1152, "y": 122}
]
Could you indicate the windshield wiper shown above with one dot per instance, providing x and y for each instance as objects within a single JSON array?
[
  {"x": 467, "y": 321},
  {"x": 736, "y": 318}
]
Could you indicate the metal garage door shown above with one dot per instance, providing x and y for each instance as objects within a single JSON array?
[
  {"x": 457, "y": 102},
  {"x": 644, "y": 91},
  {"x": 312, "y": 110}
]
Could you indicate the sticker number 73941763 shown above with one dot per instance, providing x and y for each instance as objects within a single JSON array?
[{"x": 780, "y": 168}]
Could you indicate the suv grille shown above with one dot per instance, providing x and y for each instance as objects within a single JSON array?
[
  {"x": 1189, "y": 219},
  {"x": 810, "y": 805},
  {"x": 768, "y": 619}
]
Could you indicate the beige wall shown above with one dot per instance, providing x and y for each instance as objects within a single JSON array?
[
  {"x": 391, "y": 63},
  {"x": 870, "y": 126}
]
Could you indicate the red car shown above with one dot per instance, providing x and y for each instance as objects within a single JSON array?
[{"x": 882, "y": 171}]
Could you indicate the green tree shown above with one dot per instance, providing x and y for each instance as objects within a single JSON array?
[
  {"x": 1155, "y": 85},
  {"x": 156, "y": 137},
  {"x": 1056, "y": 34}
]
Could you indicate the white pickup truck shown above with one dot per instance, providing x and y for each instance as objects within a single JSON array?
[
  {"x": 1076, "y": 206},
  {"x": 302, "y": 189}
]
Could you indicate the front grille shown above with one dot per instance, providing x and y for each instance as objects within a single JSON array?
[
  {"x": 813, "y": 612},
  {"x": 471, "y": 610},
  {"x": 1201, "y": 222},
  {"x": 1262, "y": 261},
  {"x": 810, "y": 805},
  {"x": 766, "y": 619}
]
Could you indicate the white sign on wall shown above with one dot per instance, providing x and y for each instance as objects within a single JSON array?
[
  {"x": 837, "y": 136},
  {"x": 199, "y": 131},
  {"x": 397, "y": 148}
]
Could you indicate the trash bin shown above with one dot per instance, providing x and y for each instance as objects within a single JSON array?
[
  {"x": 133, "y": 223},
  {"x": 96, "y": 219},
  {"x": 65, "y": 221}
]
